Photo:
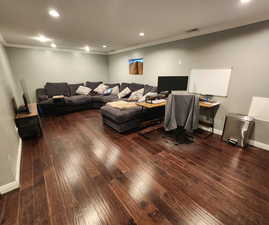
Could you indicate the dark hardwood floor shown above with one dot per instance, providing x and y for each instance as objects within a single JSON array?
[{"x": 82, "y": 172}]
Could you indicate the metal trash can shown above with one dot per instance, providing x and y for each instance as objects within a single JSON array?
[{"x": 237, "y": 129}]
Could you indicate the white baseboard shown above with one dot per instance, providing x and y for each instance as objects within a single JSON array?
[
  {"x": 258, "y": 144},
  {"x": 254, "y": 143},
  {"x": 218, "y": 132},
  {"x": 16, "y": 183}
]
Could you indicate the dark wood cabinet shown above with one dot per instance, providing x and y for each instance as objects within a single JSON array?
[{"x": 28, "y": 124}]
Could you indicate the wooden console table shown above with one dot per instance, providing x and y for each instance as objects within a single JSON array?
[{"x": 29, "y": 123}]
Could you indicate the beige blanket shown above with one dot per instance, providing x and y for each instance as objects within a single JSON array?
[{"x": 122, "y": 104}]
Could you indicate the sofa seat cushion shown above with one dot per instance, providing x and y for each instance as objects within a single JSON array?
[
  {"x": 54, "y": 89},
  {"x": 104, "y": 99},
  {"x": 120, "y": 116},
  {"x": 78, "y": 100}
]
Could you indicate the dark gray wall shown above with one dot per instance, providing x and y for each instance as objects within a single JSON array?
[
  {"x": 245, "y": 49},
  {"x": 37, "y": 67}
]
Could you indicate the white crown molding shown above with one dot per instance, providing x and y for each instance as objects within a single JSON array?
[
  {"x": 53, "y": 49},
  {"x": 16, "y": 183},
  {"x": 182, "y": 36},
  {"x": 204, "y": 31}
]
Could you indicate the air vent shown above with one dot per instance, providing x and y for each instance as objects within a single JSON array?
[{"x": 192, "y": 30}]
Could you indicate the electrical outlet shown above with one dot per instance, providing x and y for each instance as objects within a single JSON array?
[{"x": 8, "y": 157}]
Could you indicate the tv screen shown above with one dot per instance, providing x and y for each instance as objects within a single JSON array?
[
  {"x": 25, "y": 97},
  {"x": 172, "y": 83}
]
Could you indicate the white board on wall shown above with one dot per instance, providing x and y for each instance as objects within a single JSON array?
[
  {"x": 210, "y": 81},
  {"x": 259, "y": 108}
]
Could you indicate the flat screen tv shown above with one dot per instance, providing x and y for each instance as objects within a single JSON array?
[
  {"x": 172, "y": 83},
  {"x": 24, "y": 108}
]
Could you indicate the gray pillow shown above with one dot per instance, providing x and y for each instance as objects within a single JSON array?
[{"x": 53, "y": 89}]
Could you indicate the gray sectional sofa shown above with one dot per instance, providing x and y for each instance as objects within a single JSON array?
[{"x": 120, "y": 120}]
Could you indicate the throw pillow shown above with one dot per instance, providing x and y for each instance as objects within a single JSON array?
[
  {"x": 115, "y": 90},
  {"x": 136, "y": 95},
  {"x": 146, "y": 95},
  {"x": 83, "y": 90},
  {"x": 101, "y": 89},
  {"x": 53, "y": 89},
  {"x": 108, "y": 91},
  {"x": 125, "y": 92}
]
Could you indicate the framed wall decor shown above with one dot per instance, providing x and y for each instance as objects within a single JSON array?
[{"x": 136, "y": 66}]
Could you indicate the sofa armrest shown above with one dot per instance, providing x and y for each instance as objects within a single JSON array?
[{"x": 40, "y": 95}]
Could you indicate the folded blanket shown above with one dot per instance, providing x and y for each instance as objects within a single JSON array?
[{"x": 122, "y": 104}]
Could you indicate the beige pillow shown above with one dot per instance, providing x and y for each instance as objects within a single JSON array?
[
  {"x": 115, "y": 90},
  {"x": 136, "y": 95},
  {"x": 83, "y": 90},
  {"x": 124, "y": 92},
  {"x": 101, "y": 89}
]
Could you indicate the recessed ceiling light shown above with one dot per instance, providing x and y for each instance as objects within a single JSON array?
[
  {"x": 54, "y": 13},
  {"x": 104, "y": 46},
  {"x": 53, "y": 45},
  {"x": 141, "y": 34},
  {"x": 87, "y": 48},
  {"x": 245, "y": 1},
  {"x": 42, "y": 38}
]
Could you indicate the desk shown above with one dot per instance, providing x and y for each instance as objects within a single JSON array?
[
  {"x": 155, "y": 109},
  {"x": 211, "y": 108},
  {"x": 29, "y": 123},
  {"x": 150, "y": 105}
]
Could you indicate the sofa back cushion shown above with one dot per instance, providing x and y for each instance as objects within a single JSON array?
[
  {"x": 135, "y": 86},
  {"x": 149, "y": 88},
  {"x": 124, "y": 85},
  {"x": 93, "y": 85},
  {"x": 53, "y": 89},
  {"x": 111, "y": 85},
  {"x": 73, "y": 88}
]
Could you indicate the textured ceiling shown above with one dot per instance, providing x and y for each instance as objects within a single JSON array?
[{"x": 117, "y": 23}]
